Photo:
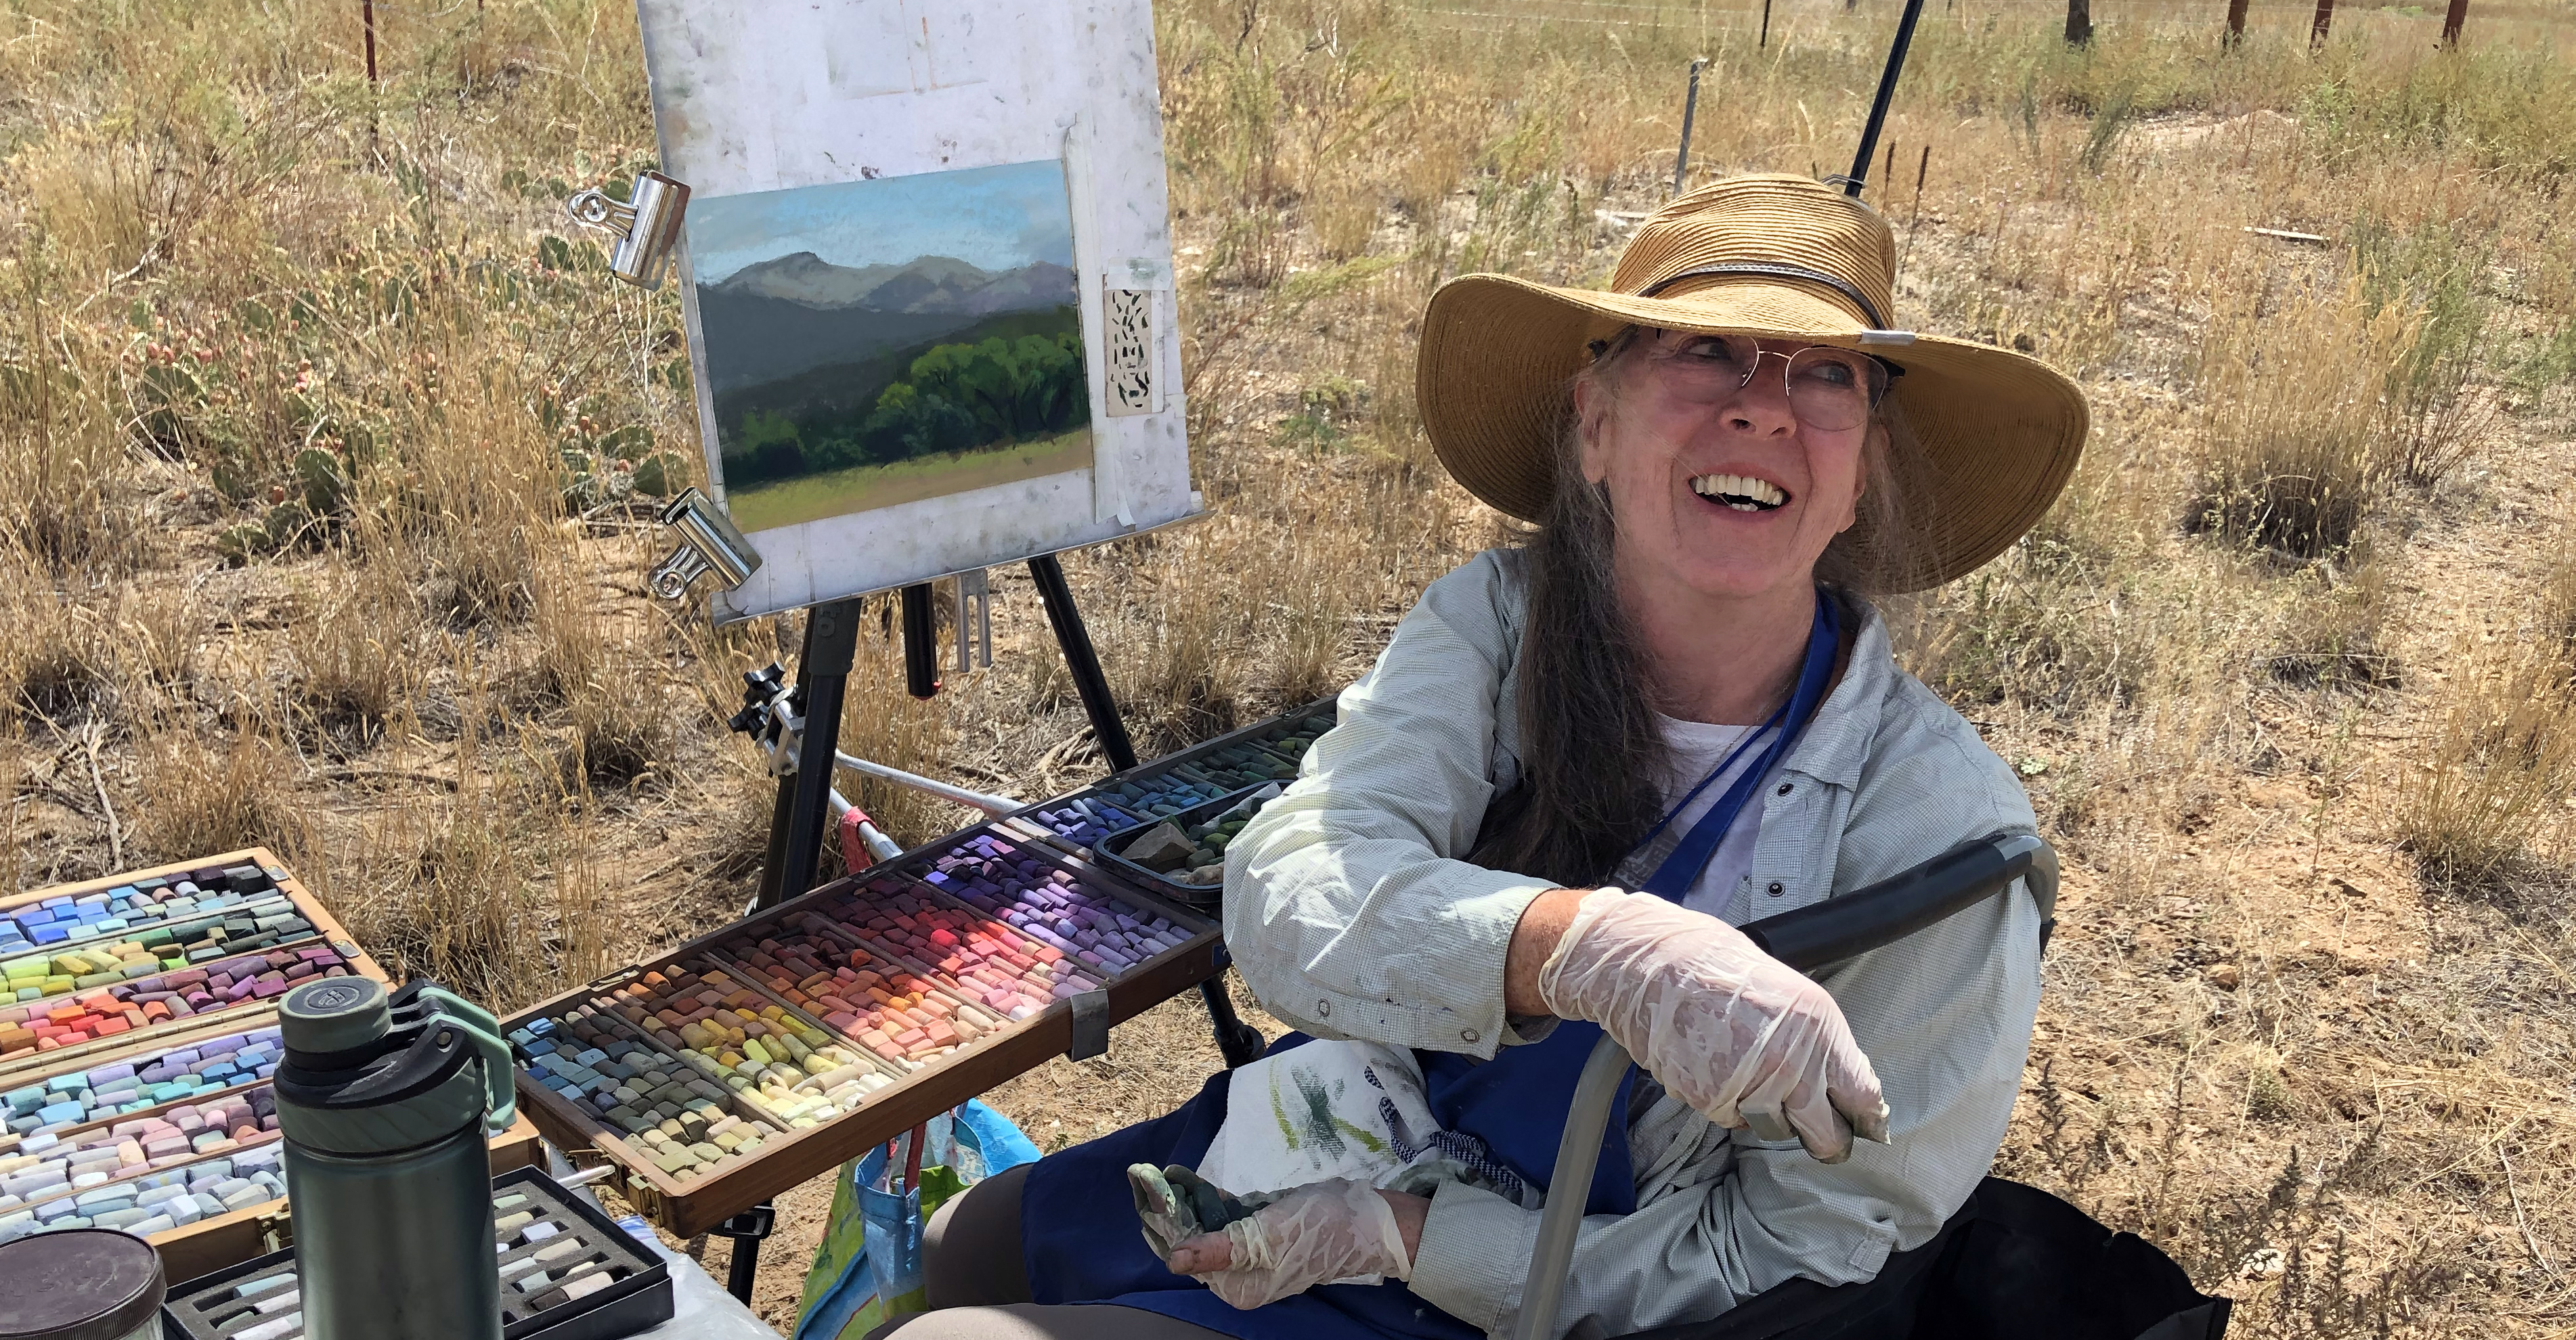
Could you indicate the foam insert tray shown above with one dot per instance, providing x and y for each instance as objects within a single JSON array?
[{"x": 568, "y": 1272}]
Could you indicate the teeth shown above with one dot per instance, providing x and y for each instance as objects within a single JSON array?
[{"x": 1744, "y": 493}]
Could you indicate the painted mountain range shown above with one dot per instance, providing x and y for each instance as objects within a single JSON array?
[{"x": 776, "y": 319}]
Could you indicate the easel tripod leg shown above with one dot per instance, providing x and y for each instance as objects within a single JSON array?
[
  {"x": 1236, "y": 1040},
  {"x": 1083, "y": 662},
  {"x": 746, "y": 1230},
  {"x": 773, "y": 864},
  {"x": 797, "y": 825}
]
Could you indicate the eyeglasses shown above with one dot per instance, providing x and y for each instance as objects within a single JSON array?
[{"x": 1829, "y": 389}]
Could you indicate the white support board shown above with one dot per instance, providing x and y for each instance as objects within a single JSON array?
[{"x": 759, "y": 96}]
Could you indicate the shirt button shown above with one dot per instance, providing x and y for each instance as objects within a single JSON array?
[
  {"x": 1467, "y": 1035},
  {"x": 1774, "y": 889},
  {"x": 1785, "y": 788},
  {"x": 1324, "y": 1009}
]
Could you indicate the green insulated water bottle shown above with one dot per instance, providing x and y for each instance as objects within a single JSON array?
[{"x": 384, "y": 1103}]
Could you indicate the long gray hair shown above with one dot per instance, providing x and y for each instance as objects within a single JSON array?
[{"x": 1594, "y": 760}]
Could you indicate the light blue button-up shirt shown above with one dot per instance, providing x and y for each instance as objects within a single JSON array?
[{"x": 1350, "y": 914}]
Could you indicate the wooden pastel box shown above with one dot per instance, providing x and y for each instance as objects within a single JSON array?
[{"x": 813, "y": 1031}]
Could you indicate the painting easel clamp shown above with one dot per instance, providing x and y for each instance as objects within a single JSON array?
[
  {"x": 709, "y": 542},
  {"x": 772, "y": 715},
  {"x": 646, "y": 222}
]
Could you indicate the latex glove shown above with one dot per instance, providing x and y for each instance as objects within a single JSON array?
[
  {"x": 1728, "y": 1029},
  {"x": 1310, "y": 1235}
]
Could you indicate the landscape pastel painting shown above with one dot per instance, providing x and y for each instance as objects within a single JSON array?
[{"x": 872, "y": 343}]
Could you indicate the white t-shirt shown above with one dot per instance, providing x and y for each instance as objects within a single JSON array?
[{"x": 1697, "y": 747}]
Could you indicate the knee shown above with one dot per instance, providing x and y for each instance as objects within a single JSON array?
[
  {"x": 1024, "y": 1321},
  {"x": 957, "y": 1323},
  {"x": 971, "y": 1248}
]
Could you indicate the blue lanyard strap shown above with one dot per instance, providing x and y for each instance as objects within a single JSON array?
[{"x": 1681, "y": 869}]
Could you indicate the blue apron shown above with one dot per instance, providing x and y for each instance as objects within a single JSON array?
[{"x": 1079, "y": 1238}]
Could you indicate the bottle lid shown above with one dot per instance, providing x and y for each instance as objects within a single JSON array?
[
  {"x": 79, "y": 1284},
  {"x": 354, "y": 1083},
  {"x": 334, "y": 1014}
]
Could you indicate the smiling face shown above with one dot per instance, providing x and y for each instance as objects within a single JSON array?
[{"x": 1722, "y": 489}]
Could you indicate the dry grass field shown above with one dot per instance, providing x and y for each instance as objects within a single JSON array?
[{"x": 326, "y": 453}]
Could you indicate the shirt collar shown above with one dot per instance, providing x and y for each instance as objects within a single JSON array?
[{"x": 1836, "y": 744}]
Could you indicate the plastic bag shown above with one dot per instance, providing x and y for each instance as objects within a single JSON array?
[{"x": 868, "y": 1266}]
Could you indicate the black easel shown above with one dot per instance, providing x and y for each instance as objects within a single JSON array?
[
  {"x": 1238, "y": 1042},
  {"x": 800, "y": 818}
]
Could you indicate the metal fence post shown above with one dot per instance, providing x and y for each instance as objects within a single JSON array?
[
  {"x": 1690, "y": 110},
  {"x": 2451, "y": 22},
  {"x": 2323, "y": 26},
  {"x": 1922, "y": 168}
]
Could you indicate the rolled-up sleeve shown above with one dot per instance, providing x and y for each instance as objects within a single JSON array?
[{"x": 1347, "y": 907}]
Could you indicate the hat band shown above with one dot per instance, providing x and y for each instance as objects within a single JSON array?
[{"x": 1774, "y": 270}]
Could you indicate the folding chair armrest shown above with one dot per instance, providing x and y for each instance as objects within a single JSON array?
[{"x": 1826, "y": 933}]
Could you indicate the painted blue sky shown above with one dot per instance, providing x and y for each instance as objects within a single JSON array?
[{"x": 995, "y": 218}]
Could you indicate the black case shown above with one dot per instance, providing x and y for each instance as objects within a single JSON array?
[
  {"x": 639, "y": 1300},
  {"x": 1197, "y": 897}
]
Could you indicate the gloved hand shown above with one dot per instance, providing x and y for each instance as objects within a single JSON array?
[
  {"x": 1176, "y": 1204},
  {"x": 1728, "y": 1029},
  {"x": 1310, "y": 1235}
]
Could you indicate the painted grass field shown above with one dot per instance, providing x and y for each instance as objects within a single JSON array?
[{"x": 867, "y": 487}]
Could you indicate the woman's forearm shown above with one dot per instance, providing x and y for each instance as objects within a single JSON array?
[{"x": 1542, "y": 924}]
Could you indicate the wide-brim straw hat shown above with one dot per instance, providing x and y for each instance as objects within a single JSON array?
[{"x": 1775, "y": 257}]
